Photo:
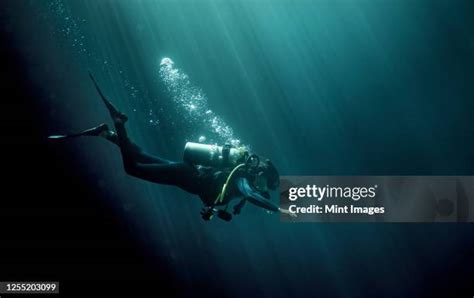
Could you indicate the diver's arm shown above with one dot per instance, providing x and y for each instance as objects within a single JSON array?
[{"x": 254, "y": 197}]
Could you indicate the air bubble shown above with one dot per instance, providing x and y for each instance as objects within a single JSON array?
[{"x": 193, "y": 103}]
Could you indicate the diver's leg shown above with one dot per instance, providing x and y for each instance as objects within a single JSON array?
[
  {"x": 132, "y": 150},
  {"x": 178, "y": 174},
  {"x": 145, "y": 166},
  {"x": 121, "y": 138},
  {"x": 152, "y": 168},
  {"x": 145, "y": 158}
]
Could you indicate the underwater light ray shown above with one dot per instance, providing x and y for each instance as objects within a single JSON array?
[{"x": 192, "y": 102}]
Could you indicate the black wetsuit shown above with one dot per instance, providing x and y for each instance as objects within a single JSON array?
[{"x": 205, "y": 182}]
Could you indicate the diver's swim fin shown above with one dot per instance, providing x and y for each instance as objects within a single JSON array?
[
  {"x": 114, "y": 112},
  {"x": 95, "y": 131}
]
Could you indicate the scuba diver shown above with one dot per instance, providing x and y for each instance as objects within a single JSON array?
[{"x": 217, "y": 174}]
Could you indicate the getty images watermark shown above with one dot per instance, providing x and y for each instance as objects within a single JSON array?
[
  {"x": 377, "y": 198},
  {"x": 327, "y": 192}
]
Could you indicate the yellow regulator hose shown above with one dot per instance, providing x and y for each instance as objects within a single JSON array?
[{"x": 220, "y": 197}]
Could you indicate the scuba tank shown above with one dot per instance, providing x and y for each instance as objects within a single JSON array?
[
  {"x": 216, "y": 156},
  {"x": 213, "y": 155}
]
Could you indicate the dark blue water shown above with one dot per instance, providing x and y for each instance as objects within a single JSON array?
[{"x": 380, "y": 87}]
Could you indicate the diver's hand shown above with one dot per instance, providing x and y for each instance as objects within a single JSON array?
[{"x": 287, "y": 212}]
